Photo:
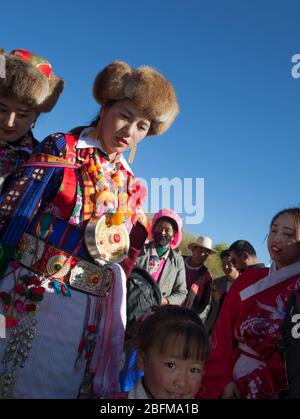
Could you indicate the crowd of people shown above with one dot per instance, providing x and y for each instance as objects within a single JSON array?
[{"x": 98, "y": 303}]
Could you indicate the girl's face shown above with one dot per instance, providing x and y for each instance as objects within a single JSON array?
[
  {"x": 168, "y": 377},
  {"x": 282, "y": 244},
  {"x": 123, "y": 125},
  {"x": 15, "y": 119}
]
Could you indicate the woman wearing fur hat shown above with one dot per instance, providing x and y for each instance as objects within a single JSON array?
[
  {"x": 28, "y": 87},
  {"x": 61, "y": 242}
]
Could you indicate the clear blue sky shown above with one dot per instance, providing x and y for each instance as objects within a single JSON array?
[{"x": 230, "y": 62}]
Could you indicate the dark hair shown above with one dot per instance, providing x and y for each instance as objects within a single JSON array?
[
  {"x": 295, "y": 212},
  {"x": 224, "y": 254},
  {"x": 178, "y": 323},
  {"x": 169, "y": 220},
  {"x": 242, "y": 246}
]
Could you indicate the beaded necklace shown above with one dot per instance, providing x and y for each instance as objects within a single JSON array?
[{"x": 110, "y": 183}]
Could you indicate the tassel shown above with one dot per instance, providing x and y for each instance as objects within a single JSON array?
[
  {"x": 56, "y": 285},
  {"x": 65, "y": 290},
  {"x": 132, "y": 153}
]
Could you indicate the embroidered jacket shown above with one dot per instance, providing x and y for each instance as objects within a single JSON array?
[
  {"x": 13, "y": 155},
  {"x": 35, "y": 188}
]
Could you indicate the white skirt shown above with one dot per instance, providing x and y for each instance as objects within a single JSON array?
[{"x": 49, "y": 370}]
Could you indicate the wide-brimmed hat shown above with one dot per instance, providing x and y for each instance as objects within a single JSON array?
[
  {"x": 145, "y": 87},
  {"x": 203, "y": 241},
  {"x": 29, "y": 79}
]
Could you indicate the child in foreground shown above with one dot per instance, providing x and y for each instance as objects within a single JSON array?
[{"x": 172, "y": 346}]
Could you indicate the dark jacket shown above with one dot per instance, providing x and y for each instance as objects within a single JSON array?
[
  {"x": 289, "y": 346},
  {"x": 143, "y": 294},
  {"x": 199, "y": 294}
]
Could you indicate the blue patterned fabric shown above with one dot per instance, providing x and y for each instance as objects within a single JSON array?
[{"x": 30, "y": 192}]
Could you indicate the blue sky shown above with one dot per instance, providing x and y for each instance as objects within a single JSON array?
[{"x": 230, "y": 63}]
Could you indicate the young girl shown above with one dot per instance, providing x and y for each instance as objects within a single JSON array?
[
  {"x": 28, "y": 88},
  {"x": 245, "y": 361},
  {"x": 172, "y": 346},
  {"x": 62, "y": 239}
]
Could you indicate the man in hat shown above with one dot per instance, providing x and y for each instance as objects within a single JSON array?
[{"x": 198, "y": 278}]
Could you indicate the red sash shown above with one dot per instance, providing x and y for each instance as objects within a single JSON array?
[{"x": 65, "y": 199}]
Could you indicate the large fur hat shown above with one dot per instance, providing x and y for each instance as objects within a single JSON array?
[
  {"x": 29, "y": 79},
  {"x": 146, "y": 87}
]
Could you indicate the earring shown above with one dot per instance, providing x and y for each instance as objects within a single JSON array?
[
  {"x": 32, "y": 125},
  {"x": 132, "y": 153}
]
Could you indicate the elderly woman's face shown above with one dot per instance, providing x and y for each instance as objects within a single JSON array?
[
  {"x": 123, "y": 125},
  {"x": 163, "y": 233},
  {"x": 15, "y": 119}
]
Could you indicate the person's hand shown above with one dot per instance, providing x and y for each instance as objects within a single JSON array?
[
  {"x": 164, "y": 301},
  {"x": 231, "y": 391}
]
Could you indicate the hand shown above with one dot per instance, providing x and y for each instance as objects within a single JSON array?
[
  {"x": 164, "y": 301},
  {"x": 231, "y": 391}
]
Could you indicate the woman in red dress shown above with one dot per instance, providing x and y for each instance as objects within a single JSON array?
[{"x": 244, "y": 361}]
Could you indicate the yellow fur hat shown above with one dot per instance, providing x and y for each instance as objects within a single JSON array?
[
  {"x": 29, "y": 79},
  {"x": 147, "y": 89}
]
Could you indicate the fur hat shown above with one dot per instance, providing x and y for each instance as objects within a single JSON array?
[
  {"x": 29, "y": 79},
  {"x": 173, "y": 216},
  {"x": 147, "y": 89}
]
